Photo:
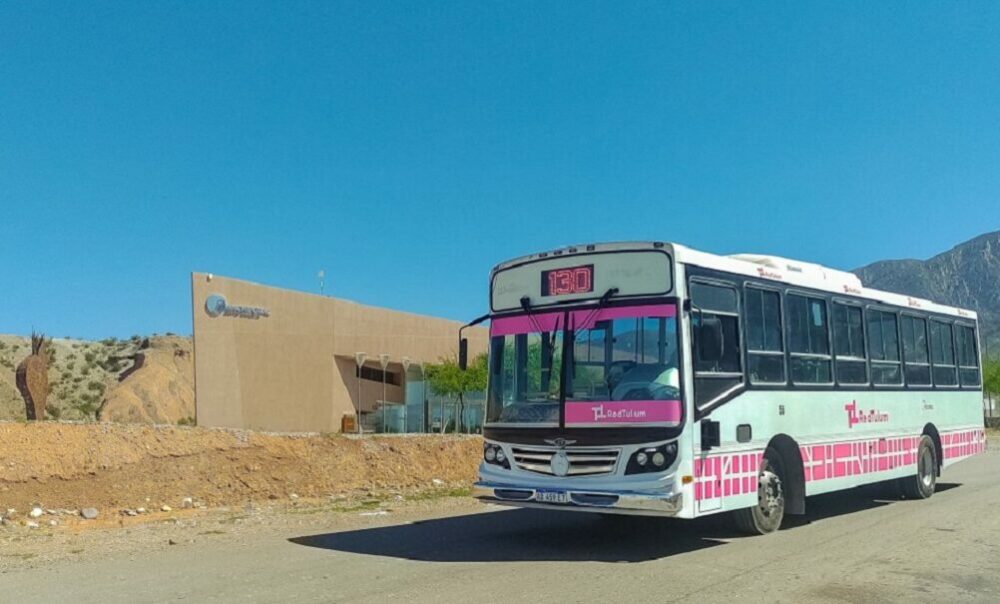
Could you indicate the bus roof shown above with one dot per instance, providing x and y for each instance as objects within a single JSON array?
[{"x": 773, "y": 268}]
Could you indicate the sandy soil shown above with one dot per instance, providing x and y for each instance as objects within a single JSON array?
[
  {"x": 116, "y": 467},
  {"x": 157, "y": 388}
]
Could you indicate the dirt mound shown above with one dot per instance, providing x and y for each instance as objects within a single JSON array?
[
  {"x": 158, "y": 388},
  {"x": 116, "y": 466}
]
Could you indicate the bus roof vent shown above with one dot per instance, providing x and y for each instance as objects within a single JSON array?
[{"x": 814, "y": 272}]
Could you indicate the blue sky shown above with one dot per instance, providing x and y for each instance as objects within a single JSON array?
[{"x": 407, "y": 148}]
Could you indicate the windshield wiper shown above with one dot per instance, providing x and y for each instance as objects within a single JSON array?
[
  {"x": 526, "y": 307},
  {"x": 600, "y": 304}
]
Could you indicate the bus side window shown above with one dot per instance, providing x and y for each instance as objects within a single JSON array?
[
  {"x": 915, "y": 358},
  {"x": 968, "y": 359},
  {"x": 808, "y": 340},
  {"x": 849, "y": 344},
  {"x": 883, "y": 346},
  {"x": 765, "y": 349},
  {"x": 717, "y": 303},
  {"x": 943, "y": 354},
  {"x": 717, "y": 368}
]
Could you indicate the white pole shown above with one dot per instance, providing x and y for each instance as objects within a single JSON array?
[
  {"x": 384, "y": 360},
  {"x": 359, "y": 359}
]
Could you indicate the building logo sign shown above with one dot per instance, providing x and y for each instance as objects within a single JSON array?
[{"x": 216, "y": 306}]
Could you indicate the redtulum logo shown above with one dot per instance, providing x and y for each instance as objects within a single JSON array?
[
  {"x": 604, "y": 414},
  {"x": 763, "y": 272},
  {"x": 872, "y": 416}
]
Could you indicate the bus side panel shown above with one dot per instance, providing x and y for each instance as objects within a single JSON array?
[
  {"x": 962, "y": 444},
  {"x": 726, "y": 480},
  {"x": 845, "y": 439}
]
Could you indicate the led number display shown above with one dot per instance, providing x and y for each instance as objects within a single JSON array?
[{"x": 570, "y": 280}]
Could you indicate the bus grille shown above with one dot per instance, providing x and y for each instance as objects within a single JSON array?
[{"x": 582, "y": 462}]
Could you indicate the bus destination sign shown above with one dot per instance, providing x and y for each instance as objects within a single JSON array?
[{"x": 569, "y": 280}]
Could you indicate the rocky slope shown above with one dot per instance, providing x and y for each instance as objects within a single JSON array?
[
  {"x": 147, "y": 380},
  {"x": 157, "y": 388},
  {"x": 968, "y": 275}
]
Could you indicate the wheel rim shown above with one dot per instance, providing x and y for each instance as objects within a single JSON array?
[
  {"x": 925, "y": 466},
  {"x": 770, "y": 495}
]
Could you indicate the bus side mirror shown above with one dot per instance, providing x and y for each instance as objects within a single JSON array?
[
  {"x": 710, "y": 342},
  {"x": 463, "y": 354}
]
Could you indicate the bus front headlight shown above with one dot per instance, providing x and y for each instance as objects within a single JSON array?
[
  {"x": 494, "y": 455},
  {"x": 652, "y": 459}
]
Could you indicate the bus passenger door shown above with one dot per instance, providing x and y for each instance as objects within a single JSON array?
[{"x": 708, "y": 483}]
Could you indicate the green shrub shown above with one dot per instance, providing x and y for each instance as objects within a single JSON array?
[
  {"x": 991, "y": 376},
  {"x": 111, "y": 364}
]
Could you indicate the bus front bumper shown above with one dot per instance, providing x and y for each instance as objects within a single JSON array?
[{"x": 615, "y": 502}]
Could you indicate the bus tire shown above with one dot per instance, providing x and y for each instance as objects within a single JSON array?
[
  {"x": 766, "y": 516},
  {"x": 922, "y": 483}
]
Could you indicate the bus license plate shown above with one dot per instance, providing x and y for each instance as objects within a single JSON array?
[{"x": 552, "y": 496}]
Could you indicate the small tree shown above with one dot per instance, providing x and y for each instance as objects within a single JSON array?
[
  {"x": 447, "y": 379},
  {"x": 991, "y": 377}
]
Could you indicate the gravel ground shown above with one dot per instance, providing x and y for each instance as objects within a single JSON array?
[
  {"x": 74, "y": 540},
  {"x": 851, "y": 547}
]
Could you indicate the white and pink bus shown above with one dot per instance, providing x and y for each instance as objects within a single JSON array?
[{"x": 649, "y": 378}]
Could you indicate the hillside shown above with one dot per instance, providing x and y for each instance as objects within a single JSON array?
[
  {"x": 968, "y": 275},
  {"x": 148, "y": 380}
]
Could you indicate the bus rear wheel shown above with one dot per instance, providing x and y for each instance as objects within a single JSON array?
[
  {"x": 922, "y": 483},
  {"x": 766, "y": 516}
]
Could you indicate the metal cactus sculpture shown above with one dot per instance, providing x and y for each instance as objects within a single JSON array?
[{"x": 33, "y": 378}]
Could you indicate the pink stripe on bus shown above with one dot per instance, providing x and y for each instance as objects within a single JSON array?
[
  {"x": 585, "y": 319},
  {"x": 580, "y": 319},
  {"x": 526, "y": 324},
  {"x": 732, "y": 474},
  {"x": 623, "y": 412}
]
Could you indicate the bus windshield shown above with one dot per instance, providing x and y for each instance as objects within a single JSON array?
[
  {"x": 622, "y": 368},
  {"x": 525, "y": 365}
]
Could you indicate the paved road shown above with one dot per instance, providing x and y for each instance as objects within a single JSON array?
[{"x": 851, "y": 547}]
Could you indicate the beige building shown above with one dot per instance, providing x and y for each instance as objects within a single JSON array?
[{"x": 275, "y": 359}]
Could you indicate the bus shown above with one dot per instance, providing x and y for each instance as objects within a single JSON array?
[{"x": 653, "y": 379}]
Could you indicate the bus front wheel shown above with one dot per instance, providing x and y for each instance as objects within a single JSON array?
[
  {"x": 766, "y": 516},
  {"x": 922, "y": 483}
]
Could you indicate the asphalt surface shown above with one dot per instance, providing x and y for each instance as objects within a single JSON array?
[{"x": 851, "y": 547}]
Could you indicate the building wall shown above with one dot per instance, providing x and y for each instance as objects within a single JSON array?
[{"x": 294, "y": 369}]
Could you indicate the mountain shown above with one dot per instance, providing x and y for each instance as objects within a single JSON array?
[{"x": 967, "y": 275}]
